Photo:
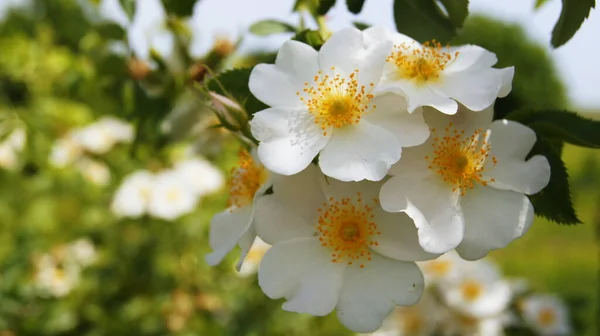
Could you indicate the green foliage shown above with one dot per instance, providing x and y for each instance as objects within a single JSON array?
[
  {"x": 424, "y": 20},
  {"x": 269, "y": 27},
  {"x": 536, "y": 83},
  {"x": 111, "y": 31},
  {"x": 234, "y": 84},
  {"x": 572, "y": 15},
  {"x": 311, "y": 37},
  {"x": 324, "y": 6},
  {"x": 539, "y": 3},
  {"x": 355, "y": 6},
  {"x": 129, "y": 7},
  {"x": 179, "y": 7},
  {"x": 361, "y": 25}
]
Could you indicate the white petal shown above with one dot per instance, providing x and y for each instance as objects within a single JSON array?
[
  {"x": 422, "y": 95},
  {"x": 359, "y": 152},
  {"x": 226, "y": 228},
  {"x": 511, "y": 142},
  {"x": 507, "y": 77},
  {"x": 378, "y": 34},
  {"x": 431, "y": 203},
  {"x": 245, "y": 244},
  {"x": 369, "y": 294},
  {"x": 470, "y": 57},
  {"x": 464, "y": 119},
  {"x": 287, "y": 152},
  {"x": 274, "y": 87},
  {"x": 398, "y": 239},
  {"x": 277, "y": 221},
  {"x": 298, "y": 60},
  {"x": 493, "y": 219},
  {"x": 392, "y": 114},
  {"x": 301, "y": 271}
]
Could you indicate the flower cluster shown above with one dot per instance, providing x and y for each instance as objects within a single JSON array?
[
  {"x": 472, "y": 298},
  {"x": 80, "y": 145},
  {"x": 376, "y": 152},
  {"x": 168, "y": 194},
  {"x": 10, "y": 148},
  {"x": 58, "y": 273}
]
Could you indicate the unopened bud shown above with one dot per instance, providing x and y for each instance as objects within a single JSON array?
[
  {"x": 138, "y": 69},
  {"x": 197, "y": 72}
]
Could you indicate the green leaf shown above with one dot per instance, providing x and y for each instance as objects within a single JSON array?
[
  {"x": 111, "y": 30},
  {"x": 309, "y": 5},
  {"x": 235, "y": 85},
  {"x": 355, "y": 6},
  {"x": 129, "y": 7},
  {"x": 179, "y": 7},
  {"x": 325, "y": 6},
  {"x": 422, "y": 20},
  {"x": 573, "y": 13},
  {"x": 539, "y": 3},
  {"x": 457, "y": 11},
  {"x": 554, "y": 202},
  {"x": 268, "y": 27},
  {"x": 310, "y": 37},
  {"x": 361, "y": 25},
  {"x": 561, "y": 126}
]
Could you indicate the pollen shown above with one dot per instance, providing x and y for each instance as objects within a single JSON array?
[
  {"x": 246, "y": 178},
  {"x": 347, "y": 228},
  {"x": 471, "y": 290},
  {"x": 423, "y": 64},
  {"x": 336, "y": 101},
  {"x": 546, "y": 317},
  {"x": 460, "y": 159}
]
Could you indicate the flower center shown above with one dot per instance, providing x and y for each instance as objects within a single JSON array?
[
  {"x": 547, "y": 317},
  {"x": 423, "y": 64},
  {"x": 173, "y": 195},
  {"x": 439, "y": 267},
  {"x": 336, "y": 101},
  {"x": 459, "y": 159},
  {"x": 346, "y": 227},
  {"x": 245, "y": 180},
  {"x": 471, "y": 290}
]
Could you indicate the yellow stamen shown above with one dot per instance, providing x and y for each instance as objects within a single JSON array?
[
  {"x": 460, "y": 160},
  {"x": 423, "y": 64},
  {"x": 439, "y": 267},
  {"x": 471, "y": 290},
  {"x": 547, "y": 317},
  {"x": 245, "y": 180},
  {"x": 336, "y": 101},
  {"x": 346, "y": 227}
]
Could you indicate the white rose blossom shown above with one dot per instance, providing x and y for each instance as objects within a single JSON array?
[
  {"x": 546, "y": 315},
  {"x": 466, "y": 187},
  {"x": 133, "y": 196},
  {"x": 235, "y": 226},
  {"x": 430, "y": 75},
  {"x": 322, "y": 103},
  {"x": 170, "y": 196},
  {"x": 335, "y": 248},
  {"x": 200, "y": 176}
]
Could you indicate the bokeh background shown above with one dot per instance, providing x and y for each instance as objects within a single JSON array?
[{"x": 71, "y": 265}]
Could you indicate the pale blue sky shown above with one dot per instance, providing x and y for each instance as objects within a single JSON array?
[{"x": 578, "y": 60}]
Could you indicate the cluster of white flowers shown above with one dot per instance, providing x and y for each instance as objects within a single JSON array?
[
  {"x": 58, "y": 273},
  {"x": 472, "y": 298},
  {"x": 10, "y": 148},
  {"x": 376, "y": 152},
  {"x": 97, "y": 138},
  {"x": 168, "y": 194}
]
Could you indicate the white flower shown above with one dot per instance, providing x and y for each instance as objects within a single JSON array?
[
  {"x": 83, "y": 251},
  {"x": 170, "y": 197},
  {"x": 335, "y": 248},
  {"x": 54, "y": 279},
  {"x": 546, "y": 314},
  {"x": 479, "y": 292},
  {"x": 323, "y": 103},
  {"x": 102, "y": 135},
  {"x": 65, "y": 151},
  {"x": 133, "y": 196},
  {"x": 234, "y": 226},
  {"x": 465, "y": 187},
  {"x": 254, "y": 257},
  {"x": 445, "y": 268},
  {"x": 429, "y": 75},
  {"x": 200, "y": 176},
  {"x": 94, "y": 171},
  {"x": 8, "y": 156}
]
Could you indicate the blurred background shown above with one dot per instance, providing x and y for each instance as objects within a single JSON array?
[{"x": 111, "y": 165}]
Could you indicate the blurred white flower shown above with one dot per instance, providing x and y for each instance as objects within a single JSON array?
[
  {"x": 200, "y": 176},
  {"x": 445, "y": 268},
  {"x": 65, "y": 151},
  {"x": 54, "y": 279},
  {"x": 334, "y": 247},
  {"x": 170, "y": 197},
  {"x": 100, "y": 136},
  {"x": 11, "y": 147},
  {"x": 546, "y": 315},
  {"x": 94, "y": 171},
  {"x": 234, "y": 226},
  {"x": 466, "y": 187},
  {"x": 429, "y": 75},
  {"x": 254, "y": 257},
  {"x": 133, "y": 196},
  {"x": 83, "y": 252},
  {"x": 323, "y": 103}
]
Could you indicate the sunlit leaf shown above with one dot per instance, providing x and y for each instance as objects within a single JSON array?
[
  {"x": 572, "y": 15},
  {"x": 457, "y": 11},
  {"x": 268, "y": 27}
]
